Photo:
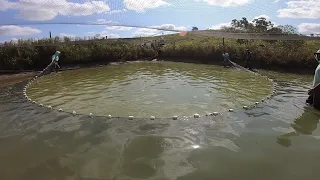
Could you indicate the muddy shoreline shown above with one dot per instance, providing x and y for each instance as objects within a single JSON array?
[{"x": 12, "y": 78}]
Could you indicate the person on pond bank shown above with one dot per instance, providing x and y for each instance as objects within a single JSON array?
[
  {"x": 226, "y": 59},
  {"x": 316, "y": 79},
  {"x": 249, "y": 60},
  {"x": 55, "y": 60}
]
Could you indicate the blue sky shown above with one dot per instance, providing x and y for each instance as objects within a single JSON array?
[{"x": 170, "y": 14}]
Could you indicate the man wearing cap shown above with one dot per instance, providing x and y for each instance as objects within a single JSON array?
[{"x": 316, "y": 79}]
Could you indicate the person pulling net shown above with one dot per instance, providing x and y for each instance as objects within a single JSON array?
[
  {"x": 226, "y": 60},
  {"x": 249, "y": 59},
  {"x": 53, "y": 65},
  {"x": 55, "y": 60},
  {"x": 315, "y": 91}
]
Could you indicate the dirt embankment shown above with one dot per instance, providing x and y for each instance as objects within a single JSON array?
[{"x": 7, "y": 79}]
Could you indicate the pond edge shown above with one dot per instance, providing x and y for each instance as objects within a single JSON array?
[{"x": 74, "y": 113}]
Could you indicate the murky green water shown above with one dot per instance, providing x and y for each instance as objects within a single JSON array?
[
  {"x": 278, "y": 140},
  {"x": 161, "y": 89}
]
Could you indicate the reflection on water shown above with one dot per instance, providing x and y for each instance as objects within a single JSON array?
[
  {"x": 161, "y": 89},
  {"x": 277, "y": 140},
  {"x": 304, "y": 125}
]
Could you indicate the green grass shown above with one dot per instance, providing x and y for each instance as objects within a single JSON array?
[{"x": 283, "y": 54}]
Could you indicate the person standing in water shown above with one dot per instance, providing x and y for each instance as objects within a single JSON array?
[
  {"x": 55, "y": 60},
  {"x": 316, "y": 79},
  {"x": 249, "y": 60}
]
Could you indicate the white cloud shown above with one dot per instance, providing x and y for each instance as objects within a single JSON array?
[
  {"x": 142, "y": 5},
  {"x": 170, "y": 27},
  {"x": 226, "y": 3},
  {"x": 66, "y": 34},
  {"x": 91, "y": 32},
  {"x": 5, "y": 5},
  {"x": 220, "y": 25},
  {"x": 146, "y": 32},
  {"x": 301, "y": 9},
  {"x": 119, "y": 28},
  {"x": 17, "y": 31},
  {"x": 267, "y": 18},
  {"x": 118, "y": 11},
  {"x": 311, "y": 28},
  {"x": 110, "y": 35},
  {"x": 13, "y": 40},
  {"x": 104, "y": 21},
  {"x": 103, "y": 34},
  {"x": 46, "y": 10},
  {"x": 152, "y": 32}
]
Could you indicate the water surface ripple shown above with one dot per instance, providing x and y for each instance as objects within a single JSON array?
[
  {"x": 144, "y": 89},
  {"x": 277, "y": 140}
]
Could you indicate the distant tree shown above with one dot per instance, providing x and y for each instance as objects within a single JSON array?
[
  {"x": 242, "y": 25},
  {"x": 229, "y": 29},
  {"x": 261, "y": 24},
  {"x": 288, "y": 29},
  {"x": 195, "y": 29},
  {"x": 56, "y": 39},
  {"x": 275, "y": 30},
  {"x": 66, "y": 39},
  {"x": 97, "y": 36}
]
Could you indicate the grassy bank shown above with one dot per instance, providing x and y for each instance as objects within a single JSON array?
[
  {"x": 13, "y": 57},
  {"x": 267, "y": 54}
]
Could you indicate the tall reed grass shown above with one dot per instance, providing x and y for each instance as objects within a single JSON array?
[{"x": 284, "y": 54}]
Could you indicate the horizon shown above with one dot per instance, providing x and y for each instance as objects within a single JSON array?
[{"x": 179, "y": 15}]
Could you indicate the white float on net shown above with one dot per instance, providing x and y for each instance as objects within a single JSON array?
[
  {"x": 245, "y": 107},
  {"x": 50, "y": 107},
  {"x": 131, "y": 117},
  {"x": 196, "y": 115},
  {"x": 60, "y": 109},
  {"x": 74, "y": 112},
  {"x": 90, "y": 114},
  {"x": 215, "y": 113},
  {"x": 175, "y": 117},
  {"x": 230, "y": 110},
  {"x": 109, "y": 116},
  {"x": 152, "y": 117}
]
